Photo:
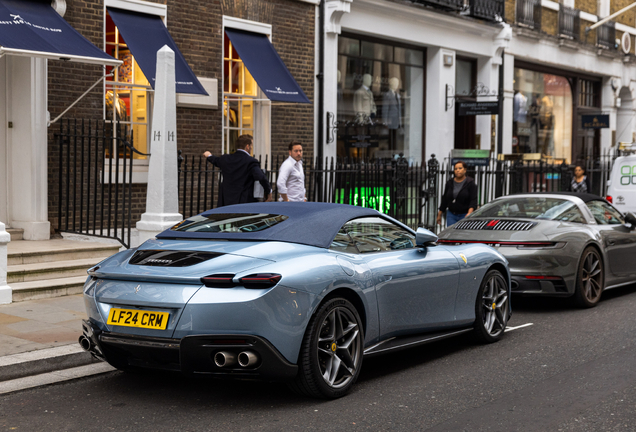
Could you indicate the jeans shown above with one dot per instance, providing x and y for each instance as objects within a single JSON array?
[{"x": 452, "y": 219}]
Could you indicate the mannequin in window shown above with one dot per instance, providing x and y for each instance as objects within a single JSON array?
[
  {"x": 363, "y": 103},
  {"x": 392, "y": 110},
  {"x": 546, "y": 119}
]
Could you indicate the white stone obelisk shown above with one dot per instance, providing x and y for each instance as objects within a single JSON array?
[
  {"x": 6, "y": 294},
  {"x": 162, "y": 197}
]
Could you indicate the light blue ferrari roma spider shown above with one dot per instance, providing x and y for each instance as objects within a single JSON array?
[{"x": 299, "y": 292}]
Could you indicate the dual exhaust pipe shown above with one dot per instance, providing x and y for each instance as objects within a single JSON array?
[
  {"x": 85, "y": 343},
  {"x": 245, "y": 359}
]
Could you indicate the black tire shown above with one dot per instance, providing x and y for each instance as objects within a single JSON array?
[
  {"x": 491, "y": 308},
  {"x": 590, "y": 280},
  {"x": 334, "y": 338}
]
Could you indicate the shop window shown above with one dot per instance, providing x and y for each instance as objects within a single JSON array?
[
  {"x": 128, "y": 94},
  {"x": 542, "y": 115},
  {"x": 240, "y": 92},
  {"x": 380, "y": 99}
]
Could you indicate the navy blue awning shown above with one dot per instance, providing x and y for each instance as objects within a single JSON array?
[
  {"x": 266, "y": 66},
  {"x": 33, "y": 28},
  {"x": 145, "y": 35}
]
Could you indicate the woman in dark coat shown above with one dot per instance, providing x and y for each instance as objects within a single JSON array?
[
  {"x": 460, "y": 196},
  {"x": 580, "y": 182}
]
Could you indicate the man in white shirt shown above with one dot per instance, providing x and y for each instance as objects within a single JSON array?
[{"x": 291, "y": 178}]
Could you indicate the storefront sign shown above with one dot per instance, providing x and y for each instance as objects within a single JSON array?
[
  {"x": 595, "y": 121},
  {"x": 477, "y": 108},
  {"x": 471, "y": 157}
]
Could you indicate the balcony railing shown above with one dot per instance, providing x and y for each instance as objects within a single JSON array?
[
  {"x": 491, "y": 10},
  {"x": 569, "y": 23},
  {"x": 606, "y": 35},
  {"x": 445, "y": 4},
  {"x": 529, "y": 13}
]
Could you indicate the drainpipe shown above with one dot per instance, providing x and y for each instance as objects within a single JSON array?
[{"x": 321, "y": 92}]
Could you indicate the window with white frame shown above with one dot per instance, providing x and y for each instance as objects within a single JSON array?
[
  {"x": 246, "y": 110},
  {"x": 239, "y": 92},
  {"x": 128, "y": 96}
]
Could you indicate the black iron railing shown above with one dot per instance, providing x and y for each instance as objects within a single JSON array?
[
  {"x": 391, "y": 186},
  {"x": 569, "y": 22},
  {"x": 94, "y": 179},
  {"x": 409, "y": 192},
  {"x": 491, "y": 10},
  {"x": 529, "y": 13},
  {"x": 606, "y": 35},
  {"x": 444, "y": 4}
]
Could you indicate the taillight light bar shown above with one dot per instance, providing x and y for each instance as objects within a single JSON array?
[
  {"x": 260, "y": 280},
  {"x": 219, "y": 281},
  {"x": 544, "y": 277},
  {"x": 528, "y": 244}
]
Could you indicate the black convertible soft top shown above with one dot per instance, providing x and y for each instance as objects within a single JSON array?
[{"x": 313, "y": 224}]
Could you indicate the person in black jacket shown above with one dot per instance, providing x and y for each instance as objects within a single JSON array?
[
  {"x": 580, "y": 182},
  {"x": 460, "y": 196},
  {"x": 240, "y": 171}
]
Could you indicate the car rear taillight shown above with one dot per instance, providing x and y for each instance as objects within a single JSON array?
[
  {"x": 544, "y": 277},
  {"x": 260, "y": 280},
  {"x": 609, "y": 199},
  {"x": 519, "y": 244},
  {"x": 219, "y": 281}
]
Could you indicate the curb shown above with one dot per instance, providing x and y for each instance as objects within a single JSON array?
[{"x": 42, "y": 361}]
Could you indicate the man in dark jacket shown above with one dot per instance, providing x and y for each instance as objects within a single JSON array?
[
  {"x": 240, "y": 171},
  {"x": 460, "y": 196}
]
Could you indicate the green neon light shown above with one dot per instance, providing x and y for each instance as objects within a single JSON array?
[{"x": 376, "y": 198}]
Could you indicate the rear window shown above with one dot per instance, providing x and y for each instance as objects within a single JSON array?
[
  {"x": 229, "y": 223},
  {"x": 532, "y": 208}
]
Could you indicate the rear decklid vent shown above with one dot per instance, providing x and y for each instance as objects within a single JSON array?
[
  {"x": 168, "y": 258},
  {"x": 494, "y": 225}
]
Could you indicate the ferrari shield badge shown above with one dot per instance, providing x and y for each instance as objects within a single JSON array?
[{"x": 464, "y": 258}]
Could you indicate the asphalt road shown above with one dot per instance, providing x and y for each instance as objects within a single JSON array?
[{"x": 571, "y": 370}]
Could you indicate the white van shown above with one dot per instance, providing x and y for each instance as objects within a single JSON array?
[{"x": 621, "y": 187}]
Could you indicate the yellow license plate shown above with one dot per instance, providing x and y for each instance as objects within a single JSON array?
[{"x": 138, "y": 318}]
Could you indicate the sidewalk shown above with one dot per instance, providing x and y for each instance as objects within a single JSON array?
[
  {"x": 38, "y": 324},
  {"x": 38, "y": 343}
]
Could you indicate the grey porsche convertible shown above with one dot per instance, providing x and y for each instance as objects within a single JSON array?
[
  {"x": 298, "y": 292},
  {"x": 559, "y": 244}
]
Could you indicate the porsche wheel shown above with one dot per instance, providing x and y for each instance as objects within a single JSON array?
[
  {"x": 589, "y": 279},
  {"x": 491, "y": 308},
  {"x": 331, "y": 353}
]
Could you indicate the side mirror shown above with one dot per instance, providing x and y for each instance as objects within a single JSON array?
[
  {"x": 424, "y": 236},
  {"x": 631, "y": 219}
]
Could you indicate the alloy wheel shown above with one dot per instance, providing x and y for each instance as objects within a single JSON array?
[
  {"x": 592, "y": 277},
  {"x": 339, "y": 347},
  {"x": 495, "y": 305}
]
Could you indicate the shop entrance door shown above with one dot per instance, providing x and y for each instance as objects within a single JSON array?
[
  {"x": 465, "y": 91},
  {"x": 587, "y": 145}
]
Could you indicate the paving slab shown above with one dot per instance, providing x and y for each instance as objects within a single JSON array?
[{"x": 40, "y": 324}]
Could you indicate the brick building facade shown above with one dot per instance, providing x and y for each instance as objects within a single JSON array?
[{"x": 197, "y": 28}]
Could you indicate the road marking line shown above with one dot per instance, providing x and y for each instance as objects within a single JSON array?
[{"x": 518, "y": 327}]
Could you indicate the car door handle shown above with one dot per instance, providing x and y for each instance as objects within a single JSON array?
[
  {"x": 386, "y": 278},
  {"x": 611, "y": 242}
]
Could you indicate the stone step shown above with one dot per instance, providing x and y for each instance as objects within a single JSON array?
[
  {"x": 31, "y": 252},
  {"x": 50, "y": 270},
  {"x": 47, "y": 288},
  {"x": 16, "y": 233}
]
